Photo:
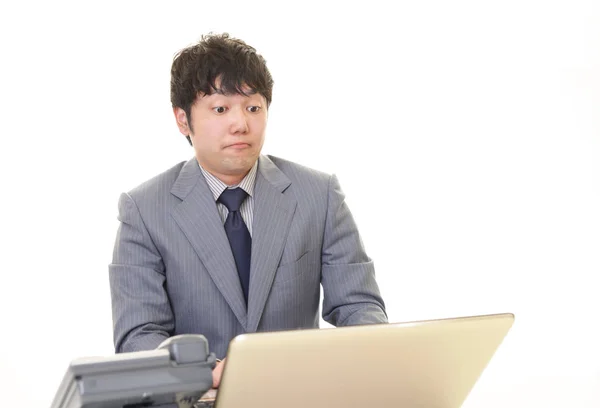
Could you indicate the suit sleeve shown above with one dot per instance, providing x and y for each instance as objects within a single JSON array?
[
  {"x": 350, "y": 293},
  {"x": 142, "y": 315}
]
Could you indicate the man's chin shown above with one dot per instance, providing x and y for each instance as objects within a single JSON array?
[{"x": 238, "y": 166}]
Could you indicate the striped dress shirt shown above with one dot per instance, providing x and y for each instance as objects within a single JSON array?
[{"x": 247, "y": 184}]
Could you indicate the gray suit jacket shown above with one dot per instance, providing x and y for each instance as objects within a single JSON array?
[{"x": 173, "y": 271}]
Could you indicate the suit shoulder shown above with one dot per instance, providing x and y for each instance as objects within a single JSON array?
[
  {"x": 298, "y": 172},
  {"x": 158, "y": 184}
]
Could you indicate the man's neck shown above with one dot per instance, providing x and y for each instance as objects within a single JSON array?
[{"x": 228, "y": 179}]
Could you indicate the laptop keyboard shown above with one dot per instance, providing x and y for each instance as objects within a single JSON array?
[
  {"x": 207, "y": 400},
  {"x": 205, "y": 404}
]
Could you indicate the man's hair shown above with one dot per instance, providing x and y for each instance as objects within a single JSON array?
[{"x": 234, "y": 63}]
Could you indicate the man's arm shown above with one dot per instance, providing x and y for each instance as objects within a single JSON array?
[
  {"x": 350, "y": 293},
  {"x": 142, "y": 315}
]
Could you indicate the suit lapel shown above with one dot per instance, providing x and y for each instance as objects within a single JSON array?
[
  {"x": 198, "y": 218},
  {"x": 273, "y": 213}
]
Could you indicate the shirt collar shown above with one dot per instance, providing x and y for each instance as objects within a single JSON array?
[{"x": 217, "y": 186}]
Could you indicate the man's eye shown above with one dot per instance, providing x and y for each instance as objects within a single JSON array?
[
  {"x": 220, "y": 109},
  {"x": 253, "y": 109}
]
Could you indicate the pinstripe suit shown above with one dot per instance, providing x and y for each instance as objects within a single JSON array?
[{"x": 173, "y": 271}]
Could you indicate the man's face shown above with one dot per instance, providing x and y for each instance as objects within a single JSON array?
[{"x": 228, "y": 132}]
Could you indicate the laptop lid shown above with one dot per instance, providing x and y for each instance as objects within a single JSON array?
[{"x": 432, "y": 363}]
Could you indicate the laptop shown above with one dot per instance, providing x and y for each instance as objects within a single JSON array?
[{"x": 433, "y": 364}]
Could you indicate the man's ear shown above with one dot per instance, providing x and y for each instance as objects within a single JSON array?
[{"x": 182, "y": 121}]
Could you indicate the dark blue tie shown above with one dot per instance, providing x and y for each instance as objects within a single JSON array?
[{"x": 238, "y": 235}]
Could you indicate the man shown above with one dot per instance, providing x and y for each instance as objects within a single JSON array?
[{"x": 233, "y": 241}]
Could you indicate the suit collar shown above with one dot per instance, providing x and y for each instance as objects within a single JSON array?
[
  {"x": 187, "y": 179},
  {"x": 190, "y": 172},
  {"x": 272, "y": 174}
]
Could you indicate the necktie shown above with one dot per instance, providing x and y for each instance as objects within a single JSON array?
[{"x": 238, "y": 235}]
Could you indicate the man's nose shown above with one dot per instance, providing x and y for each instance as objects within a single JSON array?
[{"x": 239, "y": 120}]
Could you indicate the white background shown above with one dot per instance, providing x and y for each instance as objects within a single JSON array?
[{"x": 478, "y": 119}]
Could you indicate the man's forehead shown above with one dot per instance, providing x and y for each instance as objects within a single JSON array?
[
  {"x": 244, "y": 91},
  {"x": 231, "y": 87}
]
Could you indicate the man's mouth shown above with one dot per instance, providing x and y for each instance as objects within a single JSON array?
[{"x": 239, "y": 145}]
